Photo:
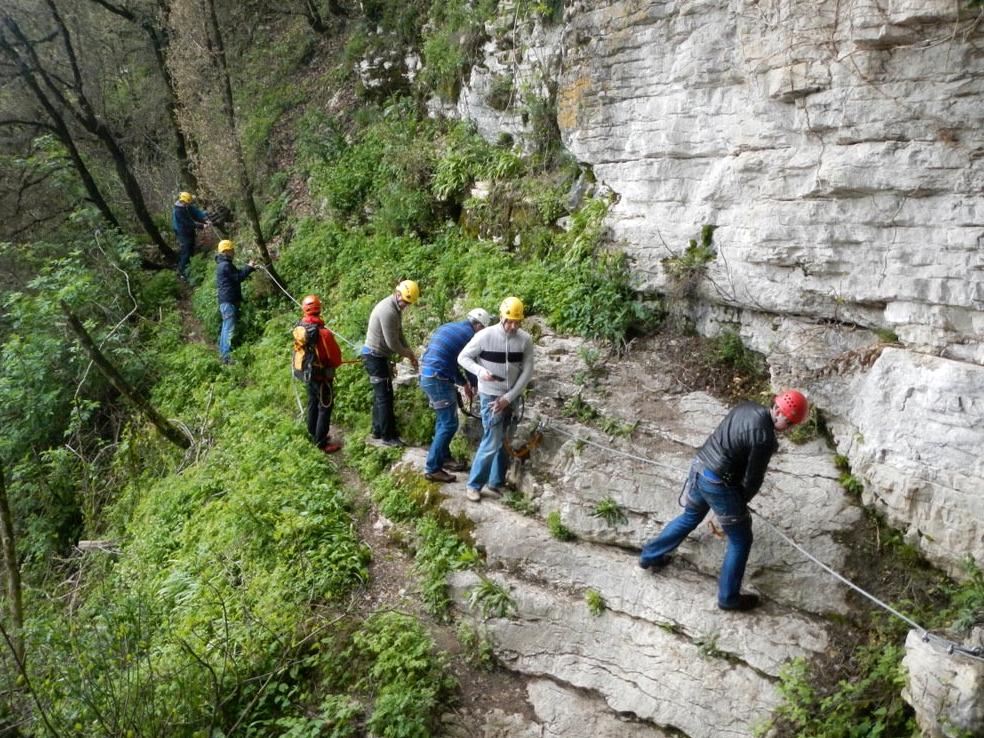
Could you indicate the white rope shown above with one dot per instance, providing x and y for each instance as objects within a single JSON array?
[
  {"x": 950, "y": 646},
  {"x": 355, "y": 346}
]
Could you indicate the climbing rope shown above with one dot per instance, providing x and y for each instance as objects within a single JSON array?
[{"x": 951, "y": 647}]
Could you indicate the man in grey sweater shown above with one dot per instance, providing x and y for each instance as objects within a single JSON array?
[
  {"x": 384, "y": 339},
  {"x": 502, "y": 359}
]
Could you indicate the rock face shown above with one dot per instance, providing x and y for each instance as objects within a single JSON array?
[
  {"x": 837, "y": 150},
  {"x": 946, "y": 690}
]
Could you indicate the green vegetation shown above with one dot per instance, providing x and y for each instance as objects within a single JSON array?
[
  {"x": 557, "y": 529},
  {"x": 475, "y": 644},
  {"x": 491, "y": 600},
  {"x": 611, "y": 512},
  {"x": 521, "y": 503},
  {"x": 687, "y": 269},
  {"x": 810, "y": 429},
  {"x": 850, "y": 483},
  {"x": 595, "y": 602}
]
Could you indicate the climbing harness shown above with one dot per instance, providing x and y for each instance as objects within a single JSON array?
[{"x": 950, "y": 647}]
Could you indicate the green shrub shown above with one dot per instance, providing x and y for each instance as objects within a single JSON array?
[
  {"x": 557, "y": 529},
  {"x": 611, "y": 512},
  {"x": 491, "y": 600},
  {"x": 595, "y": 602},
  {"x": 475, "y": 645}
]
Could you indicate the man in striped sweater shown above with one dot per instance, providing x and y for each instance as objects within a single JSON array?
[
  {"x": 502, "y": 359},
  {"x": 439, "y": 373}
]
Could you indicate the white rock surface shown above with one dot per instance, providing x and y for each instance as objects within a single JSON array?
[
  {"x": 568, "y": 713},
  {"x": 657, "y": 676},
  {"x": 946, "y": 690}
]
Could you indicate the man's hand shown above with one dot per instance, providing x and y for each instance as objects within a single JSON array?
[
  {"x": 469, "y": 391},
  {"x": 251, "y": 264},
  {"x": 500, "y": 404},
  {"x": 414, "y": 362}
]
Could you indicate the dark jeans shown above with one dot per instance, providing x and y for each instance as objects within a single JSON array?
[
  {"x": 383, "y": 419},
  {"x": 732, "y": 513},
  {"x": 320, "y": 400},
  {"x": 187, "y": 244}
]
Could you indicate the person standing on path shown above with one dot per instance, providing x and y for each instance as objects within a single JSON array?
[
  {"x": 439, "y": 375},
  {"x": 186, "y": 219},
  {"x": 384, "y": 338},
  {"x": 320, "y": 387},
  {"x": 725, "y": 475},
  {"x": 502, "y": 359},
  {"x": 228, "y": 281}
]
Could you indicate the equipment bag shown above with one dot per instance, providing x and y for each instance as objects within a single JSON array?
[{"x": 304, "y": 358}]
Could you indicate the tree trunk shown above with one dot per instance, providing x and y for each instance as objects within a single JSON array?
[
  {"x": 60, "y": 128},
  {"x": 245, "y": 185},
  {"x": 166, "y": 429},
  {"x": 11, "y": 572}
]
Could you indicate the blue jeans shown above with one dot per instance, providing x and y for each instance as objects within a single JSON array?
[
  {"x": 187, "y": 244},
  {"x": 228, "y": 311},
  {"x": 729, "y": 505},
  {"x": 443, "y": 398},
  {"x": 491, "y": 460}
]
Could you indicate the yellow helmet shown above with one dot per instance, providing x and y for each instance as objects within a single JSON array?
[
  {"x": 185, "y": 197},
  {"x": 226, "y": 246},
  {"x": 409, "y": 291},
  {"x": 511, "y": 309}
]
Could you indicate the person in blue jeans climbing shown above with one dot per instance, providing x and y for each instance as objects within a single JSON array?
[
  {"x": 502, "y": 359},
  {"x": 228, "y": 281},
  {"x": 725, "y": 475},
  {"x": 439, "y": 379}
]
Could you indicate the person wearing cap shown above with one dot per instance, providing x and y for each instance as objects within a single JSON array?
[
  {"x": 228, "y": 283},
  {"x": 439, "y": 373},
  {"x": 725, "y": 475},
  {"x": 320, "y": 387},
  {"x": 186, "y": 218},
  {"x": 502, "y": 359},
  {"x": 385, "y": 339}
]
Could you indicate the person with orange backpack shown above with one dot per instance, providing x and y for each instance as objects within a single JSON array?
[
  {"x": 316, "y": 357},
  {"x": 725, "y": 475}
]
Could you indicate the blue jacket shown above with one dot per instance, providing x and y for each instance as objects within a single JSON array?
[
  {"x": 441, "y": 357},
  {"x": 228, "y": 279},
  {"x": 184, "y": 218}
]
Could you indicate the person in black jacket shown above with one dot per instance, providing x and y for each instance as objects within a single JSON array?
[
  {"x": 227, "y": 281},
  {"x": 724, "y": 477},
  {"x": 186, "y": 219}
]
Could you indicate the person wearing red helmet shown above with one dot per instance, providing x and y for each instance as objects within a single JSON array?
[
  {"x": 725, "y": 475},
  {"x": 320, "y": 388}
]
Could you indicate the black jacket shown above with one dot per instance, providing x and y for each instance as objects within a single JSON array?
[
  {"x": 740, "y": 447},
  {"x": 228, "y": 279}
]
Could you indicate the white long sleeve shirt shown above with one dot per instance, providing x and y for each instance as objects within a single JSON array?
[{"x": 506, "y": 356}]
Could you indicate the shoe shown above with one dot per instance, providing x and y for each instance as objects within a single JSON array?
[
  {"x": 331, "y": 448},
  {"x": 473, "y": 494},
  {"x": 494, "y": 491},
  {"x": 440, "y": 476},
  {"x": 659, "y": 564},
  {"x": 745, "y": 603},
  {"x": 456, "y": 466},
  {"x": 227, "y": 362},
  {"x": 393, "y": 442}
]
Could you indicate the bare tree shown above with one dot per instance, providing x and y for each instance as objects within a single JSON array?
[
  {"x": 11, "y": 572},
  {"x": 63, "y": 94},
  {"x": 201, "y": 70}
]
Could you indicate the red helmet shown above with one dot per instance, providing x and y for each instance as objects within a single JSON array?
[
  {"x": 311, "y": 305},
  {"x": 793, "y": 405}
]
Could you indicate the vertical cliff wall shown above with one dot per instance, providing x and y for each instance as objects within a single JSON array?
[{"x": 837, "y": 148}]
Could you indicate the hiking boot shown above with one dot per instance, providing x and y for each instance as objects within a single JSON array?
[
  {"x": 440, "y": 476},
  {"x": 473, "y": 494},
  {"x": 744, "y": 603},
  {"x": 656, "y": 565},
  {"x": 393, "y": 442},
  {"x": 453, "y": 465},
  {"x": 494, "y": 491},
  {"x": 331, "y": 448}
]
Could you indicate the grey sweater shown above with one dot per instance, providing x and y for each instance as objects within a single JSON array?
[
  {"x": 507, "y": 356},
  {"x": 385, "y": 333}
]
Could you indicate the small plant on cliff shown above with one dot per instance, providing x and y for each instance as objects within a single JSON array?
[
  {"x": 687, "y": 269},
  {"x": 520, "y": 502},
  {"x": 595, "y": 602},
  {"x": 557, "y": 529},
  {"x": 611, "y": 512},
  {"x": 851, "y": 483},
  {"x": 491, "y": 600},
  {"x": 475, "y": 645}
]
